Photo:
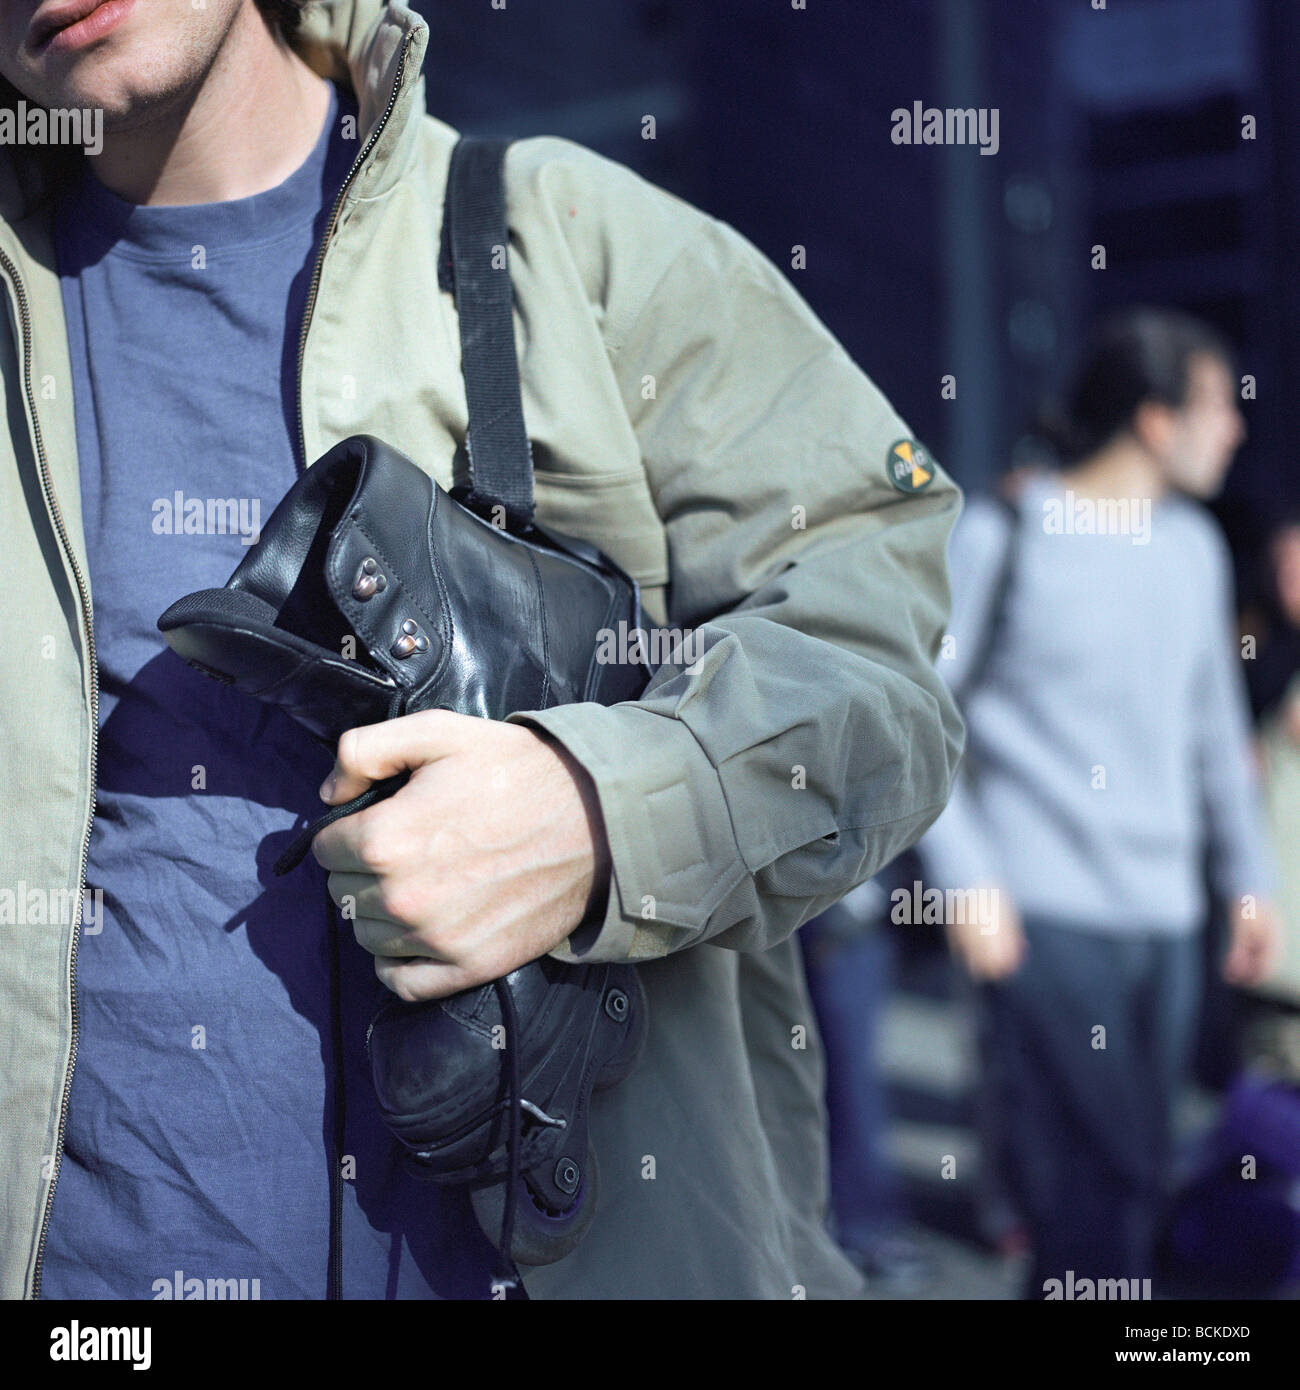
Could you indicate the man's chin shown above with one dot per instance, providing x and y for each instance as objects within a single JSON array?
[
  {"x": 127, "y": 100},
  {"x": 1205, "y": 488},
  {"x": 127, "y": 76}
]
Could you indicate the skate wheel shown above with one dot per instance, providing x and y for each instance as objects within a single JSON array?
[{"x": 540, "y": 1238}]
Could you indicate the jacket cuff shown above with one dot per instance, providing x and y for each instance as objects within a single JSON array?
[{"x": 673, "y": 852}]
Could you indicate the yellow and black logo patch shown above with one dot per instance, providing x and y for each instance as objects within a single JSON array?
[{"x": 909, "y": 467}]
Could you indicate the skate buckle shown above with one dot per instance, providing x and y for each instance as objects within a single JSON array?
[{"x": 541, "y": 1116}]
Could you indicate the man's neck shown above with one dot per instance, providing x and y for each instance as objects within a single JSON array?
[
  {"x": 1121, "y": 469},
  {"x": 247, "y": 126}
]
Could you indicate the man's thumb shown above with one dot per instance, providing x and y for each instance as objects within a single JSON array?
[{"x": 374, "y": 752}]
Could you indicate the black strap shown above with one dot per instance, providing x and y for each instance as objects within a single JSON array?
[
  {"x": 906, "y": 869},
  {"x": 473, "y": 263},
  {"x": 991, "y": 629}
]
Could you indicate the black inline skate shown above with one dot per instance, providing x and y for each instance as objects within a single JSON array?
[{"x": 373, "y": 593}]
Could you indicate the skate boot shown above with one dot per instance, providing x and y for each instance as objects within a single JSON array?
[
  {"x": 562, "y": 1032},
  {"x": 373, "y": 593}
]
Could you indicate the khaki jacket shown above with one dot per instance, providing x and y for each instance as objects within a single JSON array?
[{"x": 692, "y": 417}]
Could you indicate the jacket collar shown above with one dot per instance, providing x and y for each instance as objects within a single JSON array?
[{"x": 377, "y": 49}]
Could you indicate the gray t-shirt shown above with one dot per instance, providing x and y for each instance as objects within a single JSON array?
[{"x": 1108, "y": 741}]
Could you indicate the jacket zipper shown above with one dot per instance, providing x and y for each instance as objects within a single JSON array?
[
  {"x": 313, "y": 287},
  {"x": 83, "y": 595}
]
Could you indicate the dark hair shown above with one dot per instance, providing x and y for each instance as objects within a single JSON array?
[
  {"x": 284, "y": 15},
  {"x": 1137, "y": 355}
]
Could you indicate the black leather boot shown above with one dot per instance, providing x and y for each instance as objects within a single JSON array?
[{"x": 373, "y": 593}]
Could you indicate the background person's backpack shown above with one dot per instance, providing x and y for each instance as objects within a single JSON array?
[{"x": 1234, "y": 1228}]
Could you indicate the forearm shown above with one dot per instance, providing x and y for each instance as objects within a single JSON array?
[{"x": 747, "y": 794}]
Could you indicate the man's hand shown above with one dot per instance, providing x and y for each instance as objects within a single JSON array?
[
  {"x": 486, "y": 859},
  {"x": 1254, "y": 944},
  {"x": 990, "y": 950}
]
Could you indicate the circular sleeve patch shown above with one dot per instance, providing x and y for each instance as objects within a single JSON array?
[{"x": 909, "y": 466}]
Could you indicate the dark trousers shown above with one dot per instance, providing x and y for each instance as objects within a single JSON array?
[
  {"x": 849, "y": 977},
  {"x": 1087, "y": 1044}
]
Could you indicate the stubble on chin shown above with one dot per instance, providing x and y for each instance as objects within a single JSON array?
[{"x": 136, "y": 81}]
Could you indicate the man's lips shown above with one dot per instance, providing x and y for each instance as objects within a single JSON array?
[{"x": 50, "y": 21}]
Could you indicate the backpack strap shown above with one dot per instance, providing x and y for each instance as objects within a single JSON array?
[
  {"x": 907, "y": 868},
  {"x": 473, "y": 263},
  {"x": 991, "y": 628}
]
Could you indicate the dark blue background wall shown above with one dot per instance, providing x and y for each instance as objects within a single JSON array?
[{"x": 1120, "y": 127}]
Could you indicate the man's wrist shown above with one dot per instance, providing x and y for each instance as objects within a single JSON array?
[{"x": 597, "y": 903}]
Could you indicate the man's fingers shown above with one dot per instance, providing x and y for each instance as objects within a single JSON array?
[
  {"x": 1252, "y": 955},
  {"x": 416, "y": 980},
  {"x": 1244, "y": 963},
  {"x": 1235, "y": 967},
  {"x": 385, "y": 940},
  {"x": 360, "y": 895},
  {"x": 1260, "y": 959},
  {"x": 357, "y": 844},
  {"x": 376, "y": 751}
]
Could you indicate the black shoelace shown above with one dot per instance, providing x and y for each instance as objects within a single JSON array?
[
  {"x": 301, "y": 843},
  {"x": 506, "y": 1275}
]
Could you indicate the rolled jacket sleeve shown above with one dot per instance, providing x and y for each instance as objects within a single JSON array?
[{"x": 810, "y": 739}]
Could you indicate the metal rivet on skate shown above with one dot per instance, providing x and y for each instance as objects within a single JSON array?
[
  {"x": 411, "y": 641},
  {"x": 567, "y": 1176},
  {"x": 370, "y": 580}
]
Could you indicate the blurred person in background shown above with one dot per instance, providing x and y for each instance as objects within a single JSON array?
[
  {"x": 849, "y": 958},
  {"x": 1093, "y": 642},
  {"x": 1273, "y": 679}
]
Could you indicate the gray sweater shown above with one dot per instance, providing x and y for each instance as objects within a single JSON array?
[{"x": 1108, "y": 741}]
